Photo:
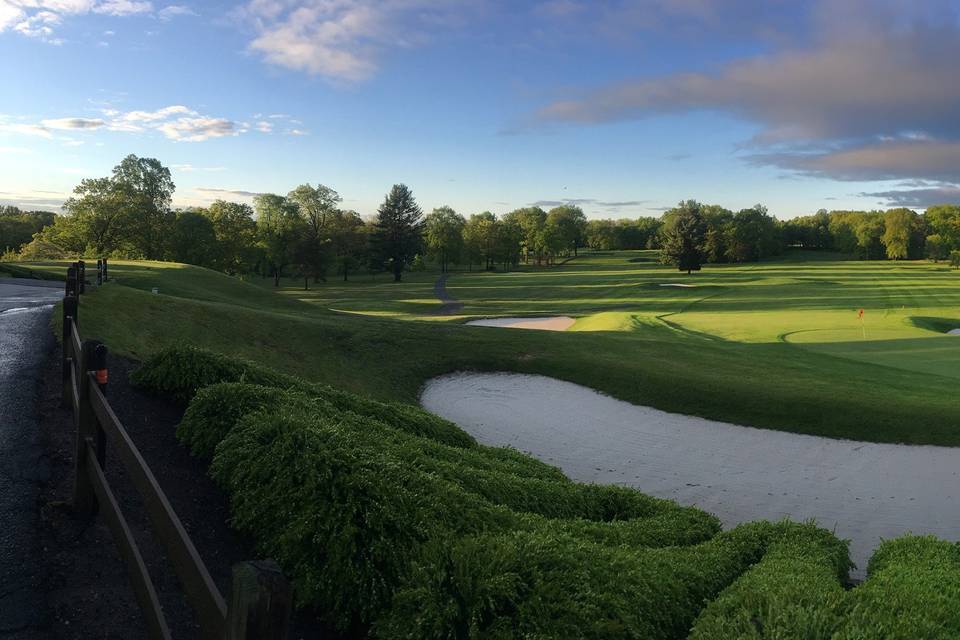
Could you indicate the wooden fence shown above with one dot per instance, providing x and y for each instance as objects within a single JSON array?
[{"x": 261, "y": 598}]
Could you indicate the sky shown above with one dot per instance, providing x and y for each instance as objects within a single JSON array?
[{"x": 623, "y": 108}]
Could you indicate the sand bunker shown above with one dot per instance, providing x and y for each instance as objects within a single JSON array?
[
  {"x": 864, "y": 491},
  {"x": 677, "y": 284},
  {"x": 953, "y": 332},
  {"x": 553, "y": 323}
]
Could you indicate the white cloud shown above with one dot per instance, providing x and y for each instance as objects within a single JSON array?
[
  {"x": 176, "y": 122},
  {"x": 27, "y": 130},
  {"x": 174, "y": 10},
  {"x": 297, "y": 132},
  {"x": 37, "y": 18},
  {"x": 123, "y": 7},
  {"x": 198, "y": 129},
  {"x": 159, "y": 114},
  {"x": 73, "y": 123},
  {"x": 342, "y": 39}
]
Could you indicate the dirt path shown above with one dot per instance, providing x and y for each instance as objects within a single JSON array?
[
  {"x": 449, "y": 305},
  {"x": 864, "y": 491}
]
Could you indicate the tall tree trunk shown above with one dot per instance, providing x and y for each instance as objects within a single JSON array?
[
  {"x": 276, "y": 278},
  {"x": 306, "y": 283}
]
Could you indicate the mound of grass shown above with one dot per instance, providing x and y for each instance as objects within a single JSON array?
[
  {"x": 940, "y": 325},
  {"x": 13, "y": 270}
]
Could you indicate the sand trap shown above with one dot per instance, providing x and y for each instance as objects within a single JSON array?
[
  {"x": 953, "y": 332},
  {"x": 677, "y": 284},
  {"x": 553, "y": 323},
  {"x": 863, "y": 491}
]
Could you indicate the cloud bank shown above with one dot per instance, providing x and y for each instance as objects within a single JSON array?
[{"x": 873, "y": 96}]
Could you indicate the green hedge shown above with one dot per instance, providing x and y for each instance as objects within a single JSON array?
[
  {"x": 395, "y": 522},
  {"x": 358, "y": 511},
  {"x": 544, "y": 584},
  {"x": 795, "y": 591},
  {"x": 912, "y": 591},
  {"x": 181, "y": 372},
  {"x": 517, "y": 484}
]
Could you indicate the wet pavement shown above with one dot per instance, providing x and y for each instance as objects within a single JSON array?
[{"x": 25, "y": 338}]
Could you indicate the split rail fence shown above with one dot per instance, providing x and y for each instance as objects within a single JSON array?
[{"x": 261, "y": 598}]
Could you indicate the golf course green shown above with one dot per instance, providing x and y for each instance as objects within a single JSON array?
[{"x": 776, "y": 344}]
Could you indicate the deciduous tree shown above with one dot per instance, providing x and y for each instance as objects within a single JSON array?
[{"x": 684, "y": 236}]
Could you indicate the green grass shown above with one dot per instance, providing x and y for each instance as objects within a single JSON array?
[{"x": 775, "y": 345}]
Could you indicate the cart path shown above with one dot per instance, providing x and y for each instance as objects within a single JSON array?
[
  {"x": 449, "y": 304},
  {"x": 25, "y": 338},
  {"x": 863, "y": 491}
]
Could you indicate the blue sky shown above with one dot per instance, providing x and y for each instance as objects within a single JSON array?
[{"x": 622, "y": 107}]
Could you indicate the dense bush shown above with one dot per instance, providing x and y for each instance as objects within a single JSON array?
[
  {"x": 913, "y": 591},
  {"x": 795, "y": 591},
  {"x": 543, "y": 584},
  {"x": 358, "y": 508},
  {"x": 180, "y": 372},
  {"x": 396, "y": 523}
]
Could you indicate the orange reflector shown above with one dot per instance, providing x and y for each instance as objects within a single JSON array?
[{"x": 101, "y": 376}]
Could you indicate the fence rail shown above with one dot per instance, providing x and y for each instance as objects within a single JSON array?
[{"x": 261, "y": 598}]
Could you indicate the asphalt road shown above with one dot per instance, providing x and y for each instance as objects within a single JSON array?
[{"x": 25, "y": 337}]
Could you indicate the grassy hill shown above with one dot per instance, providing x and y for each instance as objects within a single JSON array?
[{"x": 775, "y": 345}]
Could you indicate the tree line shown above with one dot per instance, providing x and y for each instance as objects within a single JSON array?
[
  {"x": 17, "y": 227},
  {"x": 306, "y": 233},
  {"x": 693, "y": 234}
]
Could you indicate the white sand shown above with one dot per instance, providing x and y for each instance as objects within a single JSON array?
[
  {"x": 953, "y": 332},
  {"x": 553, "y": 323},
  {"x": 863, "y": 491},
  {"x": 677, "y": 284}
]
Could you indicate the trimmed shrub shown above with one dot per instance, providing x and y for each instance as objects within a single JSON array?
[
  {"x": 912, "y": 591},
  {"x": 216, "y": 409},
  {"x": 180, "y": 372},
  {"x": 793, "y": 592},
  {"x": 545, "y": 584},
  {"x": 360, "y": 503}
]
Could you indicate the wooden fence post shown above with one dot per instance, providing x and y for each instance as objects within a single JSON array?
[
  {"x": 71, "y": 285},
  {"x": 69, "y": 317},
  {"x": 260, "y": 602},
  {"x": 82, "y": 276},
  {"x": 99, "y": 271},
  {"x": 84, "y": 498},
  {"x": 98, "y": 366},
  {"x": 105, "y": 274}
]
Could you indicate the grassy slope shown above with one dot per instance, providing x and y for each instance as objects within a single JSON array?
[{"x": 769, "y": 384}]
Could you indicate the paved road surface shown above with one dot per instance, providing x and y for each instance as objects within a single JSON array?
[{"x": 25, "y": 336}]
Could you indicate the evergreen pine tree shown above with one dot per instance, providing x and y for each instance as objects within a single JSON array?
[{"x": 397, "y": 237}]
